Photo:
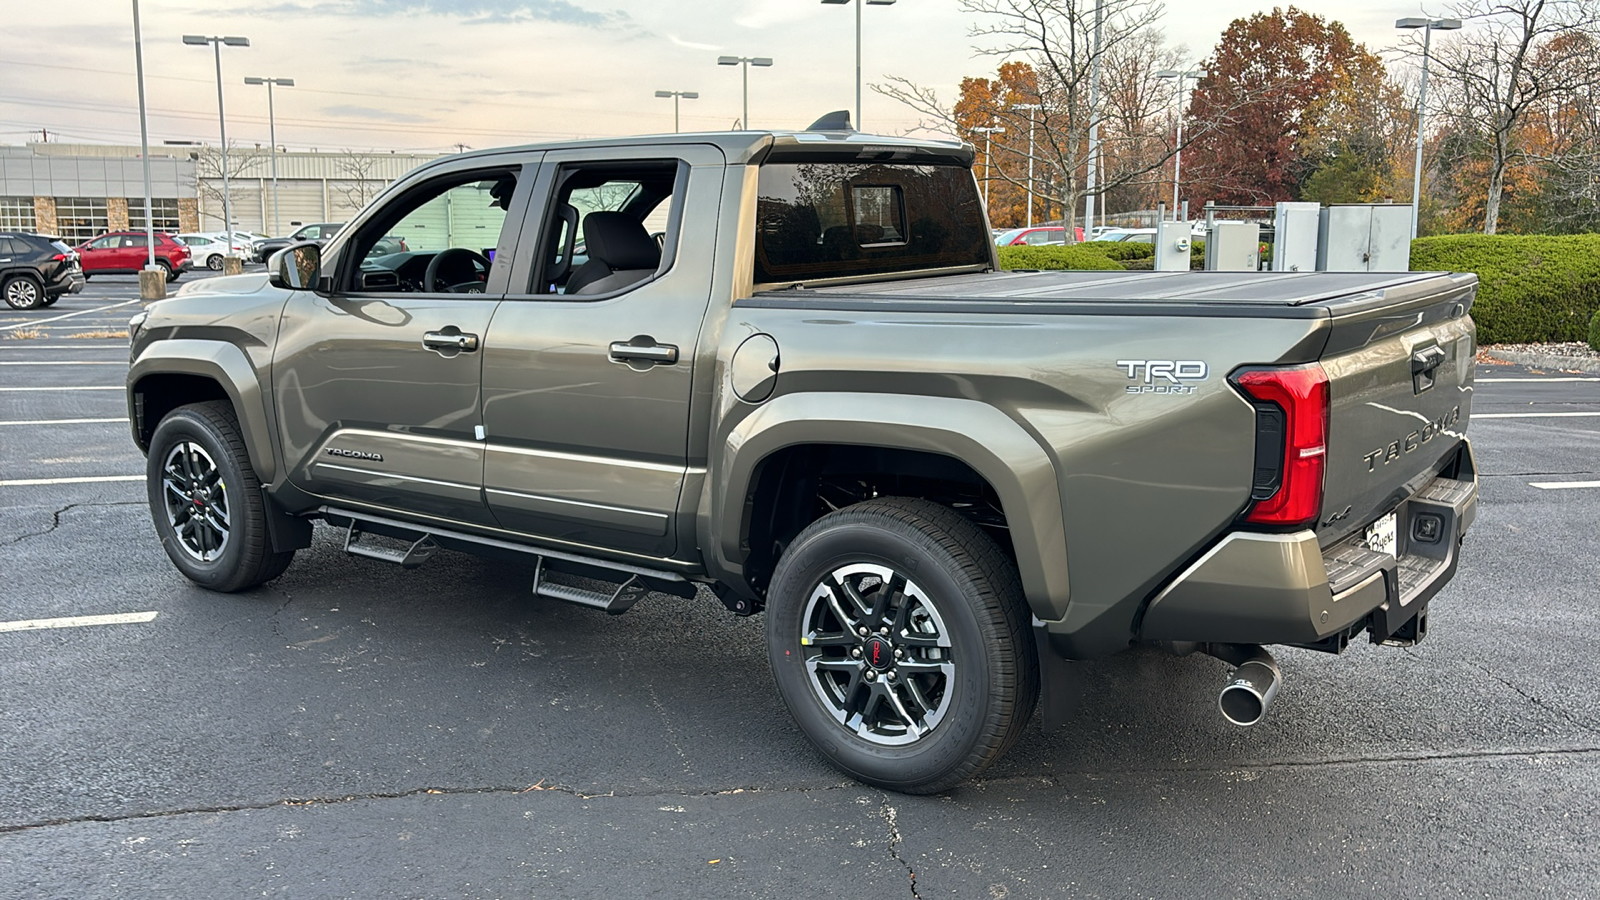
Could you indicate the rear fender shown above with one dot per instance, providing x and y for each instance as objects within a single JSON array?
[
  {"x": 220, "y": 362},
  {"x": 981, "y": 436}
]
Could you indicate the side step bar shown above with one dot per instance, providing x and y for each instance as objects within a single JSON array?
[{"x": 423, "y": 541}]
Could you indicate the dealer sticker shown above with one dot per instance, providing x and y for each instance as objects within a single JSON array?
[{"x": 1382, "y": 535}]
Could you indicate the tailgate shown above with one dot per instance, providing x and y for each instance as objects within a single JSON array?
[{"x": 1399, "y": 365}]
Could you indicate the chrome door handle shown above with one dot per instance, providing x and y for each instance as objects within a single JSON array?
[
  {"x": 450, "y": 339},
  {"x": 644, "y": 349}
]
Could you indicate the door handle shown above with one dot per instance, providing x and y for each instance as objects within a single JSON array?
[
  {"x": 450, "y": 339},
  {"x": 644, "y": 348}
]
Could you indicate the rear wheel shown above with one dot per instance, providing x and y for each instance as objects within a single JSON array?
[
  {"x": 166, "y": 270},
  {"x": 898, "y": 637},
  {"x": 206, "y": 501},
  {"x": 214, "y": 262},
  {"x": 23, "y": 292},
  {"x": 50, "y": 300}
]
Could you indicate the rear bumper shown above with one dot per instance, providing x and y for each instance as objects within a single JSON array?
[
  {"x": 71, "y": 283},
  {"x": 1285, "y": 589}
]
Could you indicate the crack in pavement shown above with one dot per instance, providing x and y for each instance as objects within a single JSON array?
[
  {"x": 888, "y": 812},
  {"x": 55, "y": 520},
  {"x": 895, "y": 840},
  {"x": 1585, "y": 724}
]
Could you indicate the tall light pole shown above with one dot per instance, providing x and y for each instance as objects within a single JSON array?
[
  {"x": 1031, "y": 108},
  {"x": 858, "y": 44},
  {"x": 1177, "y": 155},
  {"x": 1428, "y": 26},
  {"x": 675, "y": 95},
  {"x": 144, "y": 142},
  {"x": 222, "y": 121},
  {"x": 272, "y": 150},
  {"x": 1094, "y": 129},
  {"x": 987, "y": 131},
  {"x": 745, "y": 62}
]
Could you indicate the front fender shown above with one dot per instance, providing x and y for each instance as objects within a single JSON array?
[
  {"x": 981, "y": 436},
  {"x": 229, "y": 367}
]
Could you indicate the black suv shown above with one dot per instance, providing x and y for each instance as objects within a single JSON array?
[
  {"x": 321, "y": 232},
  {"x": 35, "y": 271}
]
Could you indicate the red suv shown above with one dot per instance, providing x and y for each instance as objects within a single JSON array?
[{"x": 125, "y": 253}]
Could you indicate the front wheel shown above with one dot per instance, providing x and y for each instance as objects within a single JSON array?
[
  {"x": 206, "y": 501},
  {"x": 898, "y": 637}
]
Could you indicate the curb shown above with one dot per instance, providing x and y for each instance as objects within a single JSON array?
[{"x": 1589, "y": 364}]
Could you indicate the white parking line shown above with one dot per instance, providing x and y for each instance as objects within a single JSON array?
[
  {"x": 1534, "y": 380},
  {"x": 82, "y": 479},
  {"x": 70, "y": 315},
  {"x": 113, "y": 387},
  {"x": 79, "y": 621},
  {"x": 61, "y": 421},
  {"x": 65, "y": 362},
  {"x": 1544, "y": 415},
  {"x": 1558, "y": 485}
]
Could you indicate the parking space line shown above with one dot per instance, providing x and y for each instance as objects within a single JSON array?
[
  {"x": 1534, "y": 415},
  {"x": 1558, "y": 485},
  {"x": 80, "y": 479},
  {"x": 62, "y": 421},
  {"x": 70, "y": 315},
  {"x": 137, "y": 618},
  {"x": 1535, "y": 380},
  {"x": 112, "y": 387}
]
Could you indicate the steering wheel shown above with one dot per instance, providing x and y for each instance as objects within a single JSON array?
[{"x": 430, "y": 279}]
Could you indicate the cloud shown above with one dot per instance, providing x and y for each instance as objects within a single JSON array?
[
  {"x": 691, "y": 44},
  {"x": 347, "y": 111},
  {"x": 471, "y": 11}
]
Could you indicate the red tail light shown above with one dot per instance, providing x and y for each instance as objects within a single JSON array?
[
  {"x": 1291, "y": 442},
  {"x": 59, "y": 257}
]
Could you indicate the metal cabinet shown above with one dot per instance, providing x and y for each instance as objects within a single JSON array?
[{"x": 1365, "y": 237}]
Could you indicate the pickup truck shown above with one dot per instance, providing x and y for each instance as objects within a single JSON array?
[{"x": 785, "y": 371}]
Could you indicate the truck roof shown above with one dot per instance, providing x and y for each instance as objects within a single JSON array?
[{"x": 741, "y": 147}]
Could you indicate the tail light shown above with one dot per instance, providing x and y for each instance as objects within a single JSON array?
[
  {"x": 1291, "y": 443},
  {"x": 59, "y": 257}
]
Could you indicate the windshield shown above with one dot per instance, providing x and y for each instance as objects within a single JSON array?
[
  {"x": 833, "y": 220},
  {"x": 1006, "y": 238}
]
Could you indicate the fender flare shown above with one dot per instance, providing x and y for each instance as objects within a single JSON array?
[
  {"x": 986, "y": 439},
  {"x": 229, "y": 367}
]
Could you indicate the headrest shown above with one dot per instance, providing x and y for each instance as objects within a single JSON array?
[{"x": 620, "y": 241}]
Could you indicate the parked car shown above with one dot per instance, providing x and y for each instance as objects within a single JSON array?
[
  {"x": 941, "y": 483},
  {"x": 125, "y": 253},
  {"x": 205, "y": 249},
  {"x": 1038, "y": 236},
  {"x": 1128, "y": 235},
  {"x": 321, "y": 232},
  {"x": 35, "y": 270}
]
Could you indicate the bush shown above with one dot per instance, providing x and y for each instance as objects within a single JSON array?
[
  {"x": 1530, "y": 287},
  {"x": 1063, "y": 257},
  {"x": 1594, "y": 332},
  {"x": 1120, "y": 251}
]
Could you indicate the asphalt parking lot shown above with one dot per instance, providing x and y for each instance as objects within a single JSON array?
[{"x": 356, "y": 730}]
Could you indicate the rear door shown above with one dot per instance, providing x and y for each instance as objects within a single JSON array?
[{"x": 586, "y": 396}]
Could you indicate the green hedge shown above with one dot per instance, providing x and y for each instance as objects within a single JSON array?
[
  {"x": 1531, "y": 287},
  {"x": 1060, "y": 257},
  {"x": 1120, "y": 251},
  {"x": 1594, "y": 332}
]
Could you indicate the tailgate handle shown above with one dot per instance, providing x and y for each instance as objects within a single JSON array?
[{"x": 1426, "y": 360}]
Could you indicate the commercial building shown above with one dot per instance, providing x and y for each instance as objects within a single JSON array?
[{"x": 78, "y": 191}]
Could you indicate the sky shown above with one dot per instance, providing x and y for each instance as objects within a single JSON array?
[{"x": 427, "y": 75}]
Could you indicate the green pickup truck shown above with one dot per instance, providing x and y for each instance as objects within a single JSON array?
[{"x": 783, "y": 369}]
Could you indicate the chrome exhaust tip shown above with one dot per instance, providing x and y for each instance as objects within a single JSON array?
[{"x": 1245, "y": 699}]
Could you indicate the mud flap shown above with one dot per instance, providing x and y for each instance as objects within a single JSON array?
[{"x": 1060, "y": 682}]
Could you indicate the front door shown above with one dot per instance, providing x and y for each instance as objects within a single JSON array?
[
  {"x": 589, "y": 361},
  {"x": 377, "y": 384}
]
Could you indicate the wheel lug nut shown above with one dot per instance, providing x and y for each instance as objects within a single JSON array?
[
  {"x": 890, "y": 675},
  {"x": 862, "y": 631},
  {"x": 899, "y": 653},
  {"x": 871, "y": 675},
  {"x": 884, "y": 630},
  {"x": 856, "y": 652}
]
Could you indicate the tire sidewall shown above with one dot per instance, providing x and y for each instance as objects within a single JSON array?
[
  {"x": 166, "y": 268},
  {"x": 38, "y": 291},
  {"x": 222, "y": 573},
  {"x": 951, "y": 742},
  {"x": 214, "y": 262}
]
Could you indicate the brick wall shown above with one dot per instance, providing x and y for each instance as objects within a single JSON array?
[
  {"x": 117, "y": 213},
  {"x": 188, "y": 214},
  {"x": 44, "y": 215}
]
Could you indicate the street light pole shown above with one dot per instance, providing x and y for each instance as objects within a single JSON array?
[
  {"x": 858, "y": 44},
  {"x": 988, "y": 161},
  {"x": 1094, "y": 129},
  {"x": 1031, "y": 108},
  {"x": 745, "y": 62},
  {"x": 687, "y": 95},
  {"x": 272, "y": 135},
  {"x": 1428, "y": 26},
  {"x": 216, "y": 43},
  {"x": 144, "y": 142},
  {"x": 1177, "y": 154}
]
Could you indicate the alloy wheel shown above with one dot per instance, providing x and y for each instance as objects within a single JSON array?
[
  {"x": 196, "y": 501},
  {"x": 22, "y": 293},
  {"x": 878, "y": 654}
]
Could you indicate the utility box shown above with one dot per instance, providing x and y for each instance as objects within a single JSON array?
[
  {"x": 1294, "y": 242},
  {"x": 1365, "y": 237},
  {"x": 1172, "y": 246},
  {"x": 1233, "y": 247}
]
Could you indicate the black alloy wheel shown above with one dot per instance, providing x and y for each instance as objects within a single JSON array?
[
  {"x": 205, "y": 500},
  {"x": 898, "y": 637},
  {"x": 23, "y": 292}
]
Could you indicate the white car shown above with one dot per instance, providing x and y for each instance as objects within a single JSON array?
[
  {"x": 208, "y": 248},
  {"x": 1129, "y": 235}
]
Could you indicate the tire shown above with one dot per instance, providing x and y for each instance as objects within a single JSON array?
[
  {"x": 954, "y": 612},
  {"x": 214, "y": 262},
  {"x": 23, "y": 292},
  {"x": 166, "y": 269},
  {"x": 205, "y": 500},
  {"x": 50, "y": 300}
]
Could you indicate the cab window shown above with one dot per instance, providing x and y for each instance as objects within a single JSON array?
[
  {"x": 439, "y": 237},
  {"x": 607, "y": 226}
]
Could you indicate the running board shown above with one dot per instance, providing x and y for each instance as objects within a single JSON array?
[{"x": 636, "y": 581}]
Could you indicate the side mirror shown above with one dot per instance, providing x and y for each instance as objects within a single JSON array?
[{"x": 296, "y": 267}]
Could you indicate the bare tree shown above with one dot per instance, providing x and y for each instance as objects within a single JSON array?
[
  {"x": 1138, "y": 118},
  {"x": 208, "y": 176},
  {"x": 1514, "y": 57},
  {"x": 360, "y": 180}
]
